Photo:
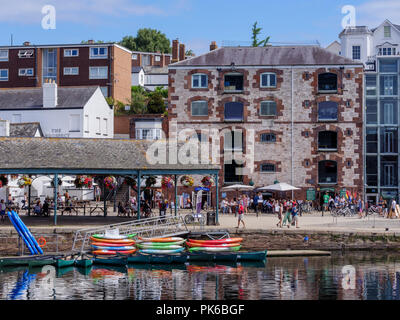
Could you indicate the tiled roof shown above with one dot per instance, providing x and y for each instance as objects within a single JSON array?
[
  {"x": 27, "y": 130},
  {"x": 32, "y": 98},
  {"x": 83, "y": 154},
  {"x": 266, "y": 56}
]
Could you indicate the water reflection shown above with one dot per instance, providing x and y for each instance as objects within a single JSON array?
[{"x": 358, "y": 276}]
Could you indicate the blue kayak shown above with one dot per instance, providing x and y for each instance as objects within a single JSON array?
[{"x": 155, "y": 251}]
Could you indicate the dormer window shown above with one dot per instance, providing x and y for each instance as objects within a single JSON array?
[{"x": 387, "y": 31}]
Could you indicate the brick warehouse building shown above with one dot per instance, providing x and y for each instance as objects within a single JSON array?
[
  {"x": 297, "y": 110},
  {"x": 107, "y": 65}
]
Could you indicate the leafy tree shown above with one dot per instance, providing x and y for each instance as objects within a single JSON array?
[
  {"x": 156, "y": 102},
  {"x": 139, "y": 100},
  {"x": 148, "y": 40},
  {"x": 97, "y": 41},
  {"x": 189, "y": 53},
  {"x": 164, "y": 92},
  {"x": 255, "y": 33}
]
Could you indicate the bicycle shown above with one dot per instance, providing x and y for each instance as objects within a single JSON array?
[
  {"x": 372, "y": 210},
  {"x": 192, "y": 218}
]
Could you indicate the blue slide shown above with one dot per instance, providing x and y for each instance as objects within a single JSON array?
[
  {"x": 28, "y": 237},
  {"x": 10, "y": 216}
]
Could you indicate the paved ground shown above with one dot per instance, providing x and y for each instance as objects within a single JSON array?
[{"x": 310, "y": 222}]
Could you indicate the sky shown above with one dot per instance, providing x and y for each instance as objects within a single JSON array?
[{"x": 194, "y": 22}]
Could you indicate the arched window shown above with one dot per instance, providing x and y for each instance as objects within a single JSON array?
[
  {"x": 327, "y": 82},
  {"x": 268, "y": 80},
  {"x": 327, "y": 141},
  {"x": 233, "y": 111},
  {"x": 328, "y": 111},
  {"x": 327, "y": 172}
]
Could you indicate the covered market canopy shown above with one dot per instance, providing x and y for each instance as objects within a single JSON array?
[{"x": 53, "y": 156}]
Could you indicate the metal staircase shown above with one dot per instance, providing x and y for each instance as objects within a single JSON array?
[{"x": 149, "y": 228}]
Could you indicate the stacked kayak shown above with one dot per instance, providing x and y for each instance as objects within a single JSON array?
[
  {"x": 220, "y": 245},
  {"x": 111, "y": 245},
  {"x": 168, "y": 245}
]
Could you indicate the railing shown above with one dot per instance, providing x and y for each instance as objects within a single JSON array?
[{"x": 152, "y": 227}]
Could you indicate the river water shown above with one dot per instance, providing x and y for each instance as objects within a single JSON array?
[{"x": 356, "y": 276}]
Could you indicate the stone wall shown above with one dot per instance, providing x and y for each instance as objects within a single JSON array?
[{"x": 303, "y": 116}]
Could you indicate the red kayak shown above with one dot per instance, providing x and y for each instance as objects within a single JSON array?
[
  {"x": 215, "y": 245},
  {"x": 218, "y": 241},
  {"x": 108, "y": 252},
  {"x": 107, "y": 244}
]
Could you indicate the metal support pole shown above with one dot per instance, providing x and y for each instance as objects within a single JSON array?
[
  {"x": 29, "y": 200},
  {"x": 115, "y": 198},
  {"x": 216, "y": 199},
  {"x": 176, "y": 195},
  {"x": 138, "y": 195},
  {"x": 55, "y": 197},
  {"x": 104, "y": 200}
]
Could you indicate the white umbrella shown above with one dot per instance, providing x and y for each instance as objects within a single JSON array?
[
  {"x": 279, "y": 187},
  {"x": 237, "y": 187},
  {"x": 67, "y": 178}
]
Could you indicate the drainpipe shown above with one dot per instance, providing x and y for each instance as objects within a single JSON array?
[{"x": 291, "y": 125}]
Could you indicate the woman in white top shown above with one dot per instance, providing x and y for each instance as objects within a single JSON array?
[{"x": 278, "y": 208}]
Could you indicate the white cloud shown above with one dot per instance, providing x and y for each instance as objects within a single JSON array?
[
  {"x": 84, "y": 11},
  {"x": 374, "y": 12}
]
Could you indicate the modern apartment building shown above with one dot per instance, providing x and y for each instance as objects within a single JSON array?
[
  {"x": 379, "y": 50},
  {"x": 287, "y": 113},
  {"x": 107, "y": 65}
]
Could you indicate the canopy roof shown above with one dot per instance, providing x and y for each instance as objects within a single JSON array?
[{"x": 89, "y": 156}]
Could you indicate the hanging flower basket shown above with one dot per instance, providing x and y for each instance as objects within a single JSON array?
[
  {"x": 24, "y": 181},
  {"x": 167, "y": 182},
  {"x": 151, "y": 181},
  {"x": 130, "y": 182},
  {"x": 187, "y": 181},
  {"x": 3, "y": 181},
  {"x": 110, "y": 182},
  {"x": 207, "y": 181},
  {"x": 83, "y": 181},
  {"x": 59, "y": 182}
]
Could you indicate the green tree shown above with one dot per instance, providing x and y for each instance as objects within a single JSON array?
[
  {"x": 189, "y": 53},
  {"x": 164, "y": 92},
  {"x": 139, "y": 100},
  {"x": 147, "y": 40},
  {"x": 156, "y": 103},
  {"x": 97, "y": 41},
  {"x": 255, "y": 33}
]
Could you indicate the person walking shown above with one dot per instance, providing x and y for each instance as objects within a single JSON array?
[
  {"x": 325, "y": 203},
  {"x": 2, "y": 211},
  {"x": 287, "y": 219},
  {"x": 279, "y": 211},
  {"x": 255, "y": 203},
  {"x": 240, "y": 215},
  {"x": 295, "y": 216},
  {"x": 360, "y": 207}
]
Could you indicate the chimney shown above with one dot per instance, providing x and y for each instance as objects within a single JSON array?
[
  {"x": 213, "y": 46},
  {"x": 181, "y": 52},
  {"x": 50, "y": 94},
  {"x": 4, "y": 128},
  {"x": 26, "y": 43},
  {"x": 175, "y": 50},
  {"x": 90, "y": 41}
]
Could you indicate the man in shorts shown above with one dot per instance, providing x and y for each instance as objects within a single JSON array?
[
  {"x": 240, "y": 215},
  {"x": 326, "y": 202}
]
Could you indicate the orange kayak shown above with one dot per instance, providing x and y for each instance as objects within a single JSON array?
[
  {"x": 109, "y": 244},
  {"x": 117, "y": 241},
  {"x": 218, "y": 241},
  {"x": 107, "y": 252},
  {"x": 170, "y": 239}
]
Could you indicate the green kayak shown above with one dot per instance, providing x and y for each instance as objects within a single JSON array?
[
  {"x": 62, "y": 263},
  {"x": 84, "y": 263},
  {"x": 102, "y": 236}
]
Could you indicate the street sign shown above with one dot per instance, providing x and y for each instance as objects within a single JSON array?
[{"x": 311, "y": 194}]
